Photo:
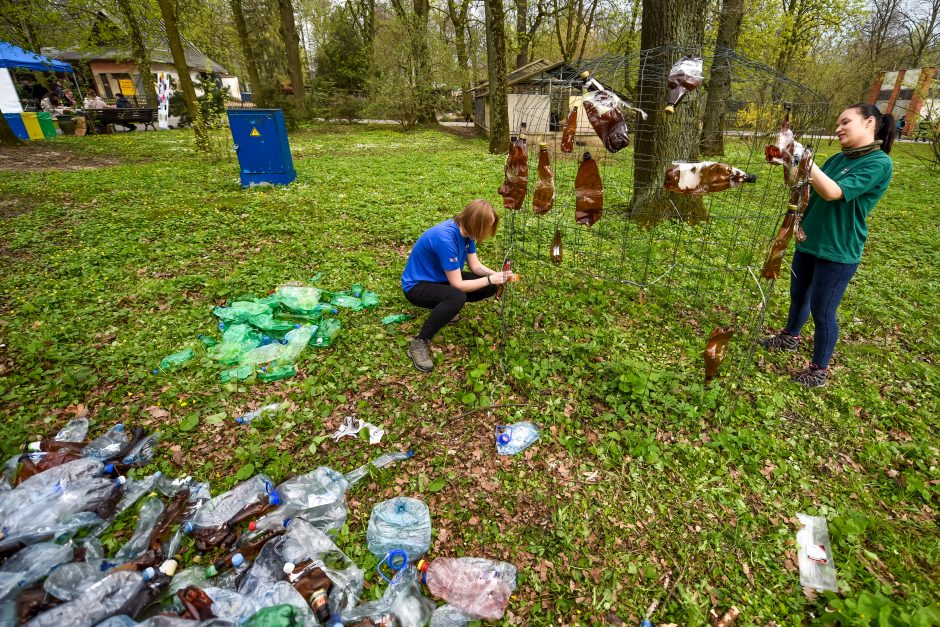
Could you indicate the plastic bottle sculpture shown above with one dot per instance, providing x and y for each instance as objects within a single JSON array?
[
  {"x": 515, "y": 184},
  {"x": 684, "y": 76},
  {"x": 787, "y": 151},
  {"x": 715, "y": 350},
  {"x": 704, "y": 177},
  {"x": 799, "y": 197},
  {"x": 603, "y": 111},
  {"x": 544, "y": 196},
  {"x": 571, "y": 129},
  {"x": 589, "y": 192},
  {"x": 556, "y": 250}
]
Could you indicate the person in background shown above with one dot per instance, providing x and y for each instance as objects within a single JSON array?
[
  {"x": 49, "y": 103},
  {"x": 434, "y": 276},
  {"x": 844, "y": 192},
  {"x": 123, "y": 103},
  {"x": 94, "y": 101}
]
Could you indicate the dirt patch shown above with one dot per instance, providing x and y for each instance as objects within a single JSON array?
[
  {"x": 461, "y": 130},
  {"x": 12, "y": 207},
  {"x": 36, "y": 156}
]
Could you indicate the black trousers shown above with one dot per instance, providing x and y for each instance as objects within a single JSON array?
[{"x": 444, "y": 302}]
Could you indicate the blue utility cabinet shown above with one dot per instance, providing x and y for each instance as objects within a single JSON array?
[{"x": 260, "y": 137}]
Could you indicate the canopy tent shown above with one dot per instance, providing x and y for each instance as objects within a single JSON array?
[{"x": 15, "y": 57}]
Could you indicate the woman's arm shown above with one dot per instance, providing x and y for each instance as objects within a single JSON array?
[
  {"x": 824, "y": 186},
  {"x": 456, "y": 280},
  {"x": 473, "y": 262}
]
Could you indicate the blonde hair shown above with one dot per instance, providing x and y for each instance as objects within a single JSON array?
[{"x": 478, "y": 220}]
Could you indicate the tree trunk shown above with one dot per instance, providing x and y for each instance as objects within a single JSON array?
[
  {"x": 7, "y": 136},
  {"x": 496, "y": 73},
  {"x": 288, "y": 30},
  {"x": 522, "y": 33},
  {"x": 660, "y": 140},
  {"x": 718, "y": 87},
  {"x": 254, "y": 79},
  {"x": 185, "y": 81},
  {"x": 141, "y": 53},
  {"x": 458, "y": 17}
]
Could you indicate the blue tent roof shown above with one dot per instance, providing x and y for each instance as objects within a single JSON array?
[{"x": 15, "y": 57}]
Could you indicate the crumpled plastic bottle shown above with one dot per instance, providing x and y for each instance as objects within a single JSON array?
[
  {"x": 400, "y": 523},
  {"x": 223, "y": 507},
  {"x": 326, "y": 333},
  {"x": 37, "y": 487},
  {"x": 240, "y": 373},
  {"x": 32, "y": 564},
  {"x": 245, "y": 419},
  {"x": 175, "y": 359},
  {"x": 236, "y": 339},
  {"x": 476, "y": 586},
  {"x": 99, "y": 602},
  {"x": 142, "y": 452},
  {"x": 69, "y": 581},
  {"x": 449, "y": 616},
  {"x": 381, "y": 461},
  {"x": 512, "y": 439},
  {"x": 107, "y": 445},
  {"x": 319, "y": 497},
  {"x": 294, "y": 343},
  {"x": 147, "y": 518},
  {"x": 402, "y": 601},
  {"x": 283, "y": 615},
  {"x": 74, "y": 431}
]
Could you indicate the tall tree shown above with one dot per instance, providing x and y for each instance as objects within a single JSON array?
[
  {"x": 923, "y": 29},
  {"x": 528, "y": 21},
  {"x": 661, "y": 139},
  {"x": 140, "y": 50},
  {"x": 718, "y": 87},
  {"x": 574, "y": 20},
  {"x": 288, "y": 30},
  {"x": 415, "y": 19},
  {"x": 802, "y": 22},
  {"x": 882, "y": 25},
  {"x": 496, "y": 73},
  {"x": 457, "y": 11},
  {"x": 244, "y": 41},
  {"x": 182, "y": 70}
]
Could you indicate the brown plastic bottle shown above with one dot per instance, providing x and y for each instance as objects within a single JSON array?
[
  {"x": 507, "y": 266},
  {"x": 544, "y": 196},
  {"x": 589, "y": 192},
  {"x": 704, "y": 177},
  {"x": 556, "y": 250},
  {"x": 248, "y": 551},
  {"x": 28, "y": 467},
  {"x": 516, "y": 181},
  {"x": 171, "y": 515},
  {"x": 50, "y": 444},
  {"x": 313, "y": 585},
  {"x": 198, "y": 604},
  {"x": 771, "y": 269},
  {"x": 781, "y": 153},
  {"x": 571, "y": 129},
  {"x": 602, "y": 107},
  {"x": 685, "y": 76},
  {"x": 715, "y": 350}
]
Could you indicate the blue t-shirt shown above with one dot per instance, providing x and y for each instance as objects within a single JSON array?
[{"x": 439, "y": 249}]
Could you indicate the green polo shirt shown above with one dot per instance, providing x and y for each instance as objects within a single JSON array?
[{"x": 836, "y": 230}]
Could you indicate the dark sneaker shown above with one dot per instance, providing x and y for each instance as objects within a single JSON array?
[
  {"x": 812, "y": 377},
  {"x": 420, "y": 353},
  {"x": 781, "y": 342}
]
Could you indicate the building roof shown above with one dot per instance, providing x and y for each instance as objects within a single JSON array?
[
  {"x": 530, "y": 71},
  {"x": 194, "y": 59}
]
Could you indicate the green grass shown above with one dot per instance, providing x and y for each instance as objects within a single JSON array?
[{"x": 642, "y": 473}]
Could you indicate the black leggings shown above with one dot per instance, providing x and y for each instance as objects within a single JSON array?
[{"x": 444, "y": 302}]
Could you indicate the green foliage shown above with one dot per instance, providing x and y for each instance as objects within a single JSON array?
[{"x": 342, "y": 61}]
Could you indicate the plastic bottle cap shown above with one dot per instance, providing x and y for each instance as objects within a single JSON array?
[
  {"x": 288, "y": 567},
  {"x": 33, "y": 446},
  {"x": 411, "y": 453},
  {"x": 148, "y": 573},
  {"x": 169, "y": 567},
  {"x": 670, "y": 109},
  {"x": 423, "y": 566},
  {"x": 121, "y": 480},
  {"x": 119, "y": 427},
  {"x": 238, "y": 559},
  {"x": 287, "y": 522},
  {"x": 253, "y": 525},
  {"x": 109, "y": 468},
  {"x": 187, "y": 527}
]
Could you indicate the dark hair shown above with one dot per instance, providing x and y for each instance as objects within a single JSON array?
[{"x": 886, "y": 131}]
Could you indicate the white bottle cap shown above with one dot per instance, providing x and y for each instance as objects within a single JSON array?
[
  {"x": 289, "y": 567},
  {"x": 33, "y": 446}
]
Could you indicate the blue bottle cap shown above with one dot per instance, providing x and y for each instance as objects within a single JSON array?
[
  {"x": 411, "y": 453},
  {"x": 187, "y": 527},
  {"x": 287, "y": 522},
  {"x": 148, "y": 573},
  {"x": 273, "y": 497},
  {"x": 646, "y": 623},
  {"x": 222, "y": 326},
  {"x": 237, "y": 560},
  {"x": 109, "y": 468},
  {"x": 156, "y": 371},
  {"x": 119, "y": 427}
]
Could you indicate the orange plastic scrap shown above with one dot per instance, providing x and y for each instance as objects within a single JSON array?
[
  {"x": 544, "y": 196},
  {"x": 516, "y": 181},
  {"x": 571, "y": 129},
  {"x": 589, "y": 192},
  {"x": 715, "y": 350}
]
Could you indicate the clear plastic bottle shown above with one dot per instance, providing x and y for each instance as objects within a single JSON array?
[
  {"x": 477, "y": 586},
  {"x": 245, "y": 419},
  {"x": 147, "y": 518},
  {"x": 32, "y": 564},
  {"x": 225, "y": 506},
  {"x": 108, "y": 445},
  {"x": 402, "y": 604},
  {"x": 319, "y": 497},
  {"x": 400, "y": 523},
  {"x": 74, "y": 431},
  {"x": 511, "y": 439},
  {"x": 100, "y": 601},
  {"x": 449, "y": 616},
  {"x": 142, "y": 452},
  {"x": 380, "y": 462}
]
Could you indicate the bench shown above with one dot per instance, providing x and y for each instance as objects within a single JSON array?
[{"x": 103, "y": 120}]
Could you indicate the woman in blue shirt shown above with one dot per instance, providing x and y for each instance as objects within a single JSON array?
[{"x": 434, "y": 276}]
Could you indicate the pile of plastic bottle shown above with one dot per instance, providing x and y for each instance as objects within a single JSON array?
[
  {"x": 263, "y": 337},
  {"x": 277, "y": 565}
]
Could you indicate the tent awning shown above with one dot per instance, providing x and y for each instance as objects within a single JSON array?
[{"x": 15, "y": 57}]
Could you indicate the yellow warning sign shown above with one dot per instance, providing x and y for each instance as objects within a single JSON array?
[{"x": 255, "y": 133}]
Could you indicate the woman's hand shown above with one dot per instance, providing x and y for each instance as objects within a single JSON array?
[{"x": 498, "y": 278}]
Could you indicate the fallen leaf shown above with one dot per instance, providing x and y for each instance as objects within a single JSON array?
[{"x": 157, "y": 412}]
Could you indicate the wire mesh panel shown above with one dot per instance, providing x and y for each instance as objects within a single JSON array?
[{"x": 679, "y": 265}]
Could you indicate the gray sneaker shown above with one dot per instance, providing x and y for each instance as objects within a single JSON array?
[
  {"x": 420, "y": 352},
  {"x": 781, "y": 342},
  {"x": 812, "y": 377}
]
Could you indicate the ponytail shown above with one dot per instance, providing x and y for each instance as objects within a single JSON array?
[{"x": 886, "y": 130}]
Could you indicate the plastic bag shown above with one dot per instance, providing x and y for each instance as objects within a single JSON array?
[{"x": 814, "y": 554}]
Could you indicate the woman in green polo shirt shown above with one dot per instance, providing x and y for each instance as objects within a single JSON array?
[{"x": 845, "y": 190}]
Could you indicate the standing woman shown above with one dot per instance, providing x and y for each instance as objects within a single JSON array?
[
  {"x": 434, "y": 276},
  {"x": 845, "y": 190}
]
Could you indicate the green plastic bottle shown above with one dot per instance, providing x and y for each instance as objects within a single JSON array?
[
  {"x": 392, "y": 319},
  {"x": 275, "y": 616},
  {"x": 276, "y": 373},
  {"x": 237, "y": 374},
  {"x": 326, "y": 333},
  {"x": 176, "y": 359}
]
